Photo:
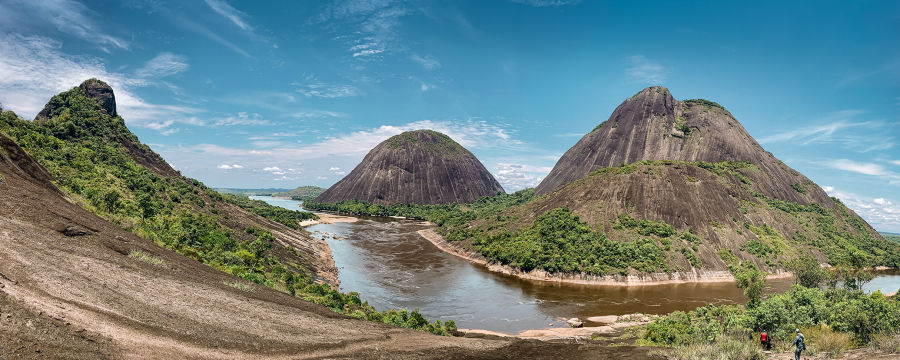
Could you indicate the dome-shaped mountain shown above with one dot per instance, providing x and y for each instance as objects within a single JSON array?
[
  {"x": 415, "y": 167},
  {"x": 687, "y": 177},
  {"x": 652, "y": 125}
]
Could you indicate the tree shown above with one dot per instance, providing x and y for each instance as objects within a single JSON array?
[
  {"x": 807, "y": 271},
  {"x": 751, "y": 280}
]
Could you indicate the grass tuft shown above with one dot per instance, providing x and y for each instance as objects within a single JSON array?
[
  {"x": 146, "y": 257},
  {"x": 242, "y": 286}
]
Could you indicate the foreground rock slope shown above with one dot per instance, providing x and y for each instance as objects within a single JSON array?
[{"x": 415, "y": 167}]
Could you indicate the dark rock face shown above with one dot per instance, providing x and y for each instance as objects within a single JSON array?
[
  {"x": 416, "y": 167},
  {"x": 99, "y": 90},
  {"x": 652, "y": 125},
  {"x": 94, "y": 89}
]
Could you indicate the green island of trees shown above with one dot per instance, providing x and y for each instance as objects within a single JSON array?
[{"x": 82, "y": 147}]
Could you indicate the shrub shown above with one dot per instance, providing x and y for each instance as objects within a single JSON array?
[
  {"x": 887, "y": 343},
  {"x": 726, "y": 349},
  {"x": 825, "y": 340}
]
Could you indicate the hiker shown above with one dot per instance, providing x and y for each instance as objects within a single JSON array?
[
  {"x": 764, "y": 340},
  {"x": 799, "y": 344}
]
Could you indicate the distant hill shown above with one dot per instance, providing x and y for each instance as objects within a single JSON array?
[
  {"x": 415, "y": 167},
  {"x": 251, "y": 192},
  {"x": 891, "y": 236},
  {"x": 302, "y": 193}
]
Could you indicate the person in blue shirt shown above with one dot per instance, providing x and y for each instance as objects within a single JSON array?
[{"x": 799, "y": 344}]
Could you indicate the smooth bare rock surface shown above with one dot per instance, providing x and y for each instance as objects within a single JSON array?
[
  {"x": 649, "y": 126},
  {"x": 415, "y": 167},
  {"x": 690, "y": 164}
]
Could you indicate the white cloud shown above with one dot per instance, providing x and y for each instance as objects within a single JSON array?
[
  {"x": 425, "y": 86},
  {"x": 230, "y": 166},
  {"x": 242, "y": 118},
  {"x": 896, "y": 162},
  {"x": 863, "y": 168},
  {"x": 68, "y": 16},
  {"x": 164, "y": 64},
  {"x": 223, "y": 8},
  {"x": 368, "y": 52},
  {"x": 880, "y": 212},
  {"x": 642, "y": 70},
  {"x": 345, "y": 151},
  {"x": 427, "y": 62},
  {"x": 33, "y": 69},
  {"x": 515, "y": 177},
  {"x": 857, "y": 167}
]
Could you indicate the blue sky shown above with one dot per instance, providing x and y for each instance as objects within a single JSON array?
[{"x": 281, "y": 94}]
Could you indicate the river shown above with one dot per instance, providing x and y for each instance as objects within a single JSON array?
[{"x": 391, "y": 266}]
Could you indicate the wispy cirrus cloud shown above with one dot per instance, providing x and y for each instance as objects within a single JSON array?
[
  {"x": 371, "y": 26},
  {"x": 317, "y": 114},
  {"x": 164, "y": 64},
  {"x": 546, "y": 3},
  {"x": 242, "y": 118},
  {"x": 864, "y": 168},
  {"x": 311, "y": 87},
  {"x": 645, "y": 71},
  {"x": 68, "y": 16},
  {"x": 840, "y": 127},
  {"x": 34, "y": 68},
  {"x": 427, "y": 62},
  {"x": 229, "y": 166},
  {"x": 229, "y": 12}
]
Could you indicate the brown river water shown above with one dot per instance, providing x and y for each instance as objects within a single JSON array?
[{"x": 392, "y": 266}]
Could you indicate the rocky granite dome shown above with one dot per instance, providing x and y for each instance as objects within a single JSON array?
[
  {"x": 415, "y": 167},
  {"x": 686, "y": 175},
  {"x": 652, "y": 125}
]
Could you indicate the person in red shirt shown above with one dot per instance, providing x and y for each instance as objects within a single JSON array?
[{"x": 764, "y": 339}]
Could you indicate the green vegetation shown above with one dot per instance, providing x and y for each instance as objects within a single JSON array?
[
  {"x": 302, "y": 193},
  {"x": 704, "y": 102},
  {"x": 645, "y": 227},
  {"x": 598, "y": 127},
  {"x": 557, "y": 241},
  {"x": 89, "y": 154},
  {"x": 891, "y": 237},
  {"x": 681, "y": 125},
  {"x": 444, "y": 145},
  {"x": 290, "y": 218},
  {"x": 821, "y": 313},
  {"x": 147, "y": 258},
  {"x": 800, "y": 188}
]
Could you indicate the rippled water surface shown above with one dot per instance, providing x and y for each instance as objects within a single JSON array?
[{"x": 391, "y": 266}]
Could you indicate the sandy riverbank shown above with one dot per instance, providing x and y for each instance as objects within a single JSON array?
[
  {"x": 326, "y": 218},
  {"x": 696, "y": 276}
]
